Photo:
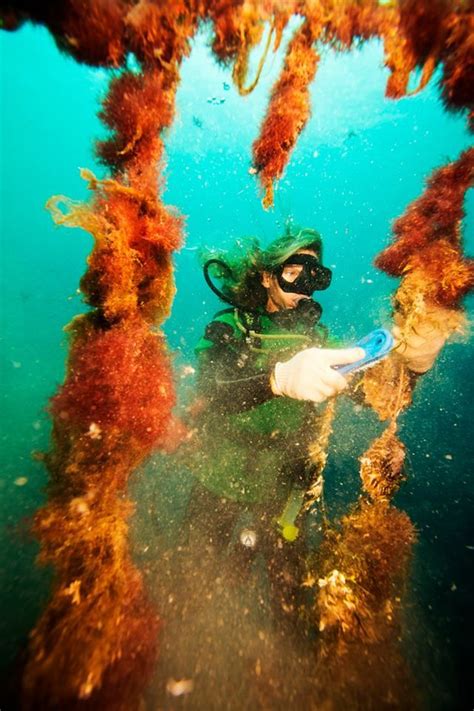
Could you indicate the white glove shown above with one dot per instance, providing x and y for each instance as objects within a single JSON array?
[{"x": 309, "y": 376}]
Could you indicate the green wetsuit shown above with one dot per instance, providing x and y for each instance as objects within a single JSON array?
[{"x": 253, "y": 444}]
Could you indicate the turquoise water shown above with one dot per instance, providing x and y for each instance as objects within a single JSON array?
[{"x": 360, "y": 161}]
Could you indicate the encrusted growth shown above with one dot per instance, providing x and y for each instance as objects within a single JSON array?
[
  {"x": 363, "y": 571},
  {"x": 381, "y": 467}
]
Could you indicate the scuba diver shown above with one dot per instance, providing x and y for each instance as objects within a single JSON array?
[
  {"x": 234, "y": 528},
  {"x": 265, "y": 372}
]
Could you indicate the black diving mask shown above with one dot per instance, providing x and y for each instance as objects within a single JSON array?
[{"x": 303, "y": 274}]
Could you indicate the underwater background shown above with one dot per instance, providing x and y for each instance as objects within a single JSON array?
[{"x": 359, "y": 162}]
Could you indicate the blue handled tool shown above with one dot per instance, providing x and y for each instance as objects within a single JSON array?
[{"x": 376, "y": 345}]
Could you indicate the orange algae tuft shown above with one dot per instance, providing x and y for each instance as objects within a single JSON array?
[
  {"x": 447, "y": 275},
  {"x": 90, "y": 31},
  {"x": 443, "y": 31},
  {"x": 94, "y": 645},
  {"x": 100, "y": 40},
  {"x": 424, "y": 34},
  {"x": 96, "y": 641},
  {"x": 387, "y": 387},
  {"x": 365, "y": 563},
  {"x": 371, "y": 553},
  {"x": 130, "y": 267},
  {"x": 427, "y": 253},
  {"x": 118, "y": 379},
  {"x": 135, "y": 105},
  {"x": 237, "y": 27},
  {"x": 363, "y": 569},
  {"x": 381, "y": 468},
  {"x": 433, "y": 217},
  {"x": 288, "y": 112},
  {"x": 160, "y": 33}
]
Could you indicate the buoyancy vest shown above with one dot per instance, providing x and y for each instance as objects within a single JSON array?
[{"x": 251, "y": 456}]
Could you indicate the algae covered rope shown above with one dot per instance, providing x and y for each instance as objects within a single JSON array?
[{"x": 318, "y": 454}]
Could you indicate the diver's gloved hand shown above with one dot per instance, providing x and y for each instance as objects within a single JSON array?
[
  {"x": 309, "y": 375},
  {"x": 419, "y": 344}
]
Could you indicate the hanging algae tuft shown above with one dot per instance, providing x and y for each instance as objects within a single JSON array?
[
  {"x": 363, "y": 568},
  {"x": 96, "y": 639},
  {"x": 407, "y": 45},
  {"x": 431, "y": 224},
  {"x": 373, "y": 548},
  {"x": 387, "y": 387},
  {"x": 288, "y": 112},
  {"x": 416, "y": 34},
  {"x": 381, "y": 468},
  {"x": 95, "y": 644},
  {"x": 365, "y": 563},
  {"x": 388, "y": 391},
  {"x": 427, "y": 254},
  {"x": 442, "y": 32}
]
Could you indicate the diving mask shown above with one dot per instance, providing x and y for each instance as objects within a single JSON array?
[{"x": 303, "y": 274}]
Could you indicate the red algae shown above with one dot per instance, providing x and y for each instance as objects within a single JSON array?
[
  {"x": 372, "y": 548},
  {"x": 434, "y": 217},
  {"x": 426, "y": 34},
  {"x": 360, "y": 595},
  {"x": 118, "y": 379},
  {"x": 442, "y": 31},
  {"x": 135, "y": 105},
  {"x": 427, "y": 254},
  {"x": 160, "y": 33},
  {"x": 288, "y": 112},
  {"x": 91, "y": 31},
  {"x": 94, "y": 646}
]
